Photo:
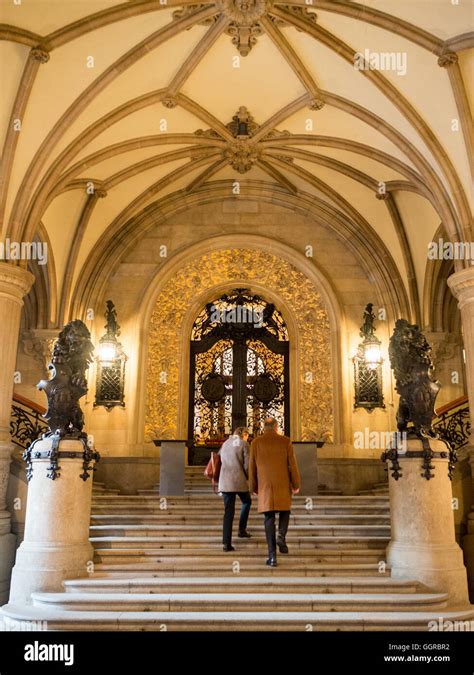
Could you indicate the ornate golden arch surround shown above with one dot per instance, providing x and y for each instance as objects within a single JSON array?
[{"x": 271, "y": 269}]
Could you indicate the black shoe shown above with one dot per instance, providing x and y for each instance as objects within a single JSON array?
[
  {"x": 228, "y": 548},
  {"x": 281, "y": 543},
  {"x": 272, "y": 562},
  {"x": 243, "y": 534}
]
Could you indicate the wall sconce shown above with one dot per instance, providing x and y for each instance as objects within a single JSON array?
[
  {"x": 110, "y": 364},
  {"x": 368, "y": 366}
]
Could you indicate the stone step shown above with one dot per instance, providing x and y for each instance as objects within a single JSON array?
[
  {"x": 180, "y": 529},
  {"x": 240, "y": 602},
  {"x": 255, "y": 520},
  {"x": 121, "y": 562},
  {"x": 101, "y": 490},
  {"x": 211, "y": 497},
  {"x": 217, "y": 510},
  {"x": 236, "y": 621},
  {"x": 238, "y": 584},
  {"x": 217, "y": 559},
  {"x": 216, "y": 555},
  {"x": 205, "y": 490},
  {"x": 202, "y": 541}
]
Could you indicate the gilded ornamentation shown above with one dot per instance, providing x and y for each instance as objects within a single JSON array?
[{"x": 166, "y": 384}]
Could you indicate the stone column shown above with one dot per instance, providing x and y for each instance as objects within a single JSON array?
[
  {"x": 446, "y": 352},
  {"x": 423, "y": 544},
  {"x": 39, "y": 343},
  {"x": 462, "y": 286},
  {"x": 15, "y": 283},
  {"x": 56, "y": 544}
]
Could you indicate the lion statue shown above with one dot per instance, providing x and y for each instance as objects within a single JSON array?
[
  {"x": 410, "y": 358},
  {"x": 72, "y": 355}
]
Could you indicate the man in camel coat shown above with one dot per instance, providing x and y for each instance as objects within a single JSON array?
[{"x": 274, "y": 477}]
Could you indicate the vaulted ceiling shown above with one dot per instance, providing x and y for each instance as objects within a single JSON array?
[{"x": 109, "y": 108}]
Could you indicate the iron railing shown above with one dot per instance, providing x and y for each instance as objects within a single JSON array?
[
  {"x": 26, "y": 422},
  {"x": 453, "y": 423}
]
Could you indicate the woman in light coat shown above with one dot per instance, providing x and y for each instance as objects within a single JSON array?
[{"x": 233, "y": 481}]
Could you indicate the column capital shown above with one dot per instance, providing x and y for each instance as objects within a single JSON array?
[
  {"x": 39, "y": 343},
  {"x": 462, "y": 285},
  {"x": 15, "y": 281}
]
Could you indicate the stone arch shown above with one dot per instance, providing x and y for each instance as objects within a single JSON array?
[{"x": 173, "y": 302}]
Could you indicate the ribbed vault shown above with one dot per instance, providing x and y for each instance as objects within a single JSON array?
[{"x": 116, "y": 111}]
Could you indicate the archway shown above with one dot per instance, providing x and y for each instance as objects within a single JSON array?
[
  {"x": 239, "y": 368},
  {"x": 202, "y": 280}
]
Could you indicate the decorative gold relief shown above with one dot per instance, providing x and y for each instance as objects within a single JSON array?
[{"x": 165, "y": 384}]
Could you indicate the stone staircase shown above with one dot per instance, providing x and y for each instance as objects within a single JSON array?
[
  {"x": 159, "y": 565},
  {"x": 376, "y": 489},
  {"x": 196, "y": 484}
]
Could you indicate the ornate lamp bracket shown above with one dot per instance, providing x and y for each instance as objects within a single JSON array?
[
  {"x": 110, "y": 382},
  {"x": 368, "y": 382}
]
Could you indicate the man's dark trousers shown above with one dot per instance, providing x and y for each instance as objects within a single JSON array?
[
  {"x": 229, "y": 510},
  {"x": 283, "y": 522}
]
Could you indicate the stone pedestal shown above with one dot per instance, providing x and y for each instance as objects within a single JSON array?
[
  {"x": 172, "y": 464},
  {"x": 423, "y": 545},
  {"x": 306, "y": 457},
  {"x": 56, "y": 544}
]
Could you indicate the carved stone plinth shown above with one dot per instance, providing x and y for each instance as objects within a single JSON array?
[
  {"x": 423, "y": 544},
  {"x": 56, "y": 543}
]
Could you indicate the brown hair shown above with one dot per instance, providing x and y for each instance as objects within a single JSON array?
[{"x": 240, "y": 431}]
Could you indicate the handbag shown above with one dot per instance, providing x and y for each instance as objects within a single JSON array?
[{"x": 213, "y": 469}]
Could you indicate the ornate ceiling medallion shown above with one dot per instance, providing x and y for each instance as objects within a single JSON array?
[
  {"x": 244, "y": 27},
  {"x": 242, "y": 155},
  {"x": 242, "y": 152},
  {"x": 244, "y": 12},
  {"x": 244, "y": 19}
]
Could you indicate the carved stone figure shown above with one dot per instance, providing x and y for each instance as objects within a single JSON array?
[
  {"x": 72, "y": 355},
  {"x": 410, "y": 358}
]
